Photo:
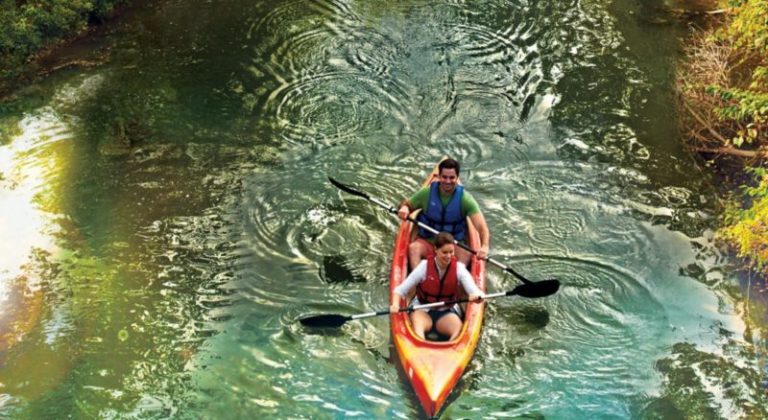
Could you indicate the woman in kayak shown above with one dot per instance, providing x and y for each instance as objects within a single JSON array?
[{"x": 437, "y": 279}]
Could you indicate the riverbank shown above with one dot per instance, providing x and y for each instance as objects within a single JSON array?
[
  {"x": 31, "y": 32},
  {"x": 722, "y": 91}
]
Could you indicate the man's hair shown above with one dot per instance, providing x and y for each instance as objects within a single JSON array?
[
  {"x": 449, "y": 163},
  {"x": 443, "y": 238}
]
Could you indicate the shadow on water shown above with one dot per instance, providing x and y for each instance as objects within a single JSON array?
[
  {"x": 525, "y": 320},
  {"x": 528, "y": 320},
  {"x": 323, "y": 332},
  {"x": 335, "y": 270}
]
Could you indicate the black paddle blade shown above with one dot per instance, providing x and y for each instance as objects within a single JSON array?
[
  {"x": 347, "y": 189},
  {"x": 536, "y": 289},
  {"x": 325, "y": 321}
]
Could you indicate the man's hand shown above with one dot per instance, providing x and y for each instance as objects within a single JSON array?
[
  {"x": 394, "y": 309},
  {"x": 403, "y": 212},
  {"x": 482, "y": 253}
]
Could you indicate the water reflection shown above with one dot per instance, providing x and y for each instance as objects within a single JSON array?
[{"x": 28, "y": 167}]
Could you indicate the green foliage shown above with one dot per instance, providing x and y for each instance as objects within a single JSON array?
[
  {"x": 26, "y": 27},
  {"x": 749, "y": 26},
  {"x": 731, "y": 90},
  {"x": 743, "y": 102},
  {"x": 747, "y": 106},
  {"x": 747, "y": 225}
]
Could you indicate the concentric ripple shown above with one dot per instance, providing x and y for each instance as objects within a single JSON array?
[{"x": 604, "y": 323}]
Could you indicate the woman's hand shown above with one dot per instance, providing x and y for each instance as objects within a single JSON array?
[
  {"x": 394, "y": 309},
  {"x": 476, "y": 298}
]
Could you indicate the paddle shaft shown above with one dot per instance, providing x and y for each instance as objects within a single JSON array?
[
  {"x": 428, "y": 305},
  {"x": 527, "y": 290},
  {"x": 435, "y": 231}
]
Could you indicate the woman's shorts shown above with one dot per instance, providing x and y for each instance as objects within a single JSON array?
[{"x": 436, "y": 314}]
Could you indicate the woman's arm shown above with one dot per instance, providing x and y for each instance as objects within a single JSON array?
[
  {"x": 417, "y": 276},
  {"x": 468, "y": 282}
]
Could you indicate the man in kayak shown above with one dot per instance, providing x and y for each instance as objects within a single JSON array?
[
  {"x": 445, "y": 207},
  {"x": 437, "y": 279}
]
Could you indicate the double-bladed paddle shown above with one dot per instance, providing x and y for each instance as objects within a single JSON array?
[
  {"x": 553, "y": 283},
  {"x": 529, "y": 290}
]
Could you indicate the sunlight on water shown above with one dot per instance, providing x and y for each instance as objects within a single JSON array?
[{"x": 26, "y": 165}]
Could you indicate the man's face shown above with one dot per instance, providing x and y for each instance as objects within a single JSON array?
[{"x": 448, "y": 180}]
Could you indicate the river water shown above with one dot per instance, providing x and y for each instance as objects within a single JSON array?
[{"x": 165, "y": 214}]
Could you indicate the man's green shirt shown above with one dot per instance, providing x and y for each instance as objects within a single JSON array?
[{"x": 420, "y": 199}]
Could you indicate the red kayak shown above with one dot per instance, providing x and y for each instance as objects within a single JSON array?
[{"x": 434, "y": 367}]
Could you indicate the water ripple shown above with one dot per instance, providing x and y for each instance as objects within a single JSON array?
[
  {"x": 602, "y": 335},
  {"x": 334, "y": 104}
]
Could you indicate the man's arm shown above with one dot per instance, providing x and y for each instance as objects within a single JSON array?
[
  {"x": 478, "y": 221},
  {"x": 472, "y": 210},
  {"x": 416, "y": 201}
]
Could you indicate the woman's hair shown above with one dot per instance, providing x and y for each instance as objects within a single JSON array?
[{"x": 443, "y": 238}]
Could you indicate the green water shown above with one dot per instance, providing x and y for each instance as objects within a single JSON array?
[{"x": 165, "y": 214}]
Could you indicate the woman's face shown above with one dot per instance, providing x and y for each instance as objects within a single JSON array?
[{"x": 445, "y": 253}]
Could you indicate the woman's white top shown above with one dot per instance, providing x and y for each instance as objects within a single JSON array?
[{"x": 419, "y": 274}]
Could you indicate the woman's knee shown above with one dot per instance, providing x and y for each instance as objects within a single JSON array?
[
  {"x": 449, "y": 324},
  {"x": 421, "y": 321}
]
